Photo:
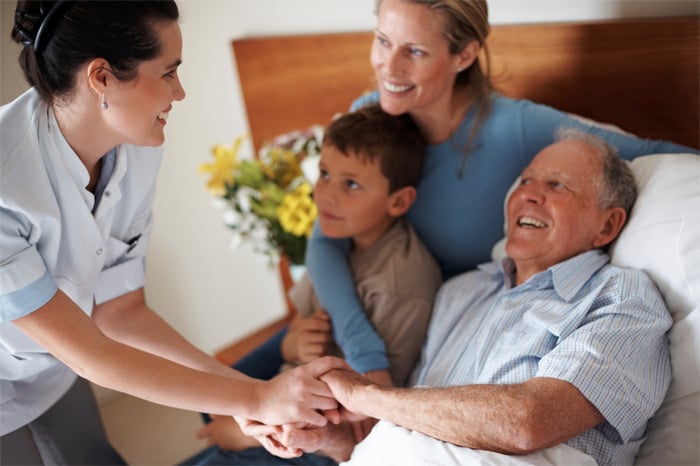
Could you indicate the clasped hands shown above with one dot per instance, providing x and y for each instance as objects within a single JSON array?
[
  {"x": 336, "y": 437},
  {"x": 336, "y": 430}
]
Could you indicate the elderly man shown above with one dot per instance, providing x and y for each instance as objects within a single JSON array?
[
  {"x": 551, "y": 347},
  {"x": 554, "y": 345}
]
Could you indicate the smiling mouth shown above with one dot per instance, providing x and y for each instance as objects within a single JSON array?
[
  {"x": 530, "y": 222},
  {"x": 395, "y": 88},
  {"x": 163, "y": 116}
]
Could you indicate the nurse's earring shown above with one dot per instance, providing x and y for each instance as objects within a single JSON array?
[{"x": 103, "y": 103}]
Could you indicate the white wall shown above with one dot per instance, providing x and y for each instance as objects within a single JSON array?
[{"x": 210, "y": 293}]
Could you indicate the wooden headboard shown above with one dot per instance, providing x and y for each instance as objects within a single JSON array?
[{"x": 641, "y": 75}]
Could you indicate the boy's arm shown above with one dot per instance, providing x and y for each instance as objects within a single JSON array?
[
  {"x": 310, "y": 338},
  {"x": 327, "y": 264}
]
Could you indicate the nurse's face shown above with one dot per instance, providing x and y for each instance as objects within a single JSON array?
[{"x": 138, "y": 109}]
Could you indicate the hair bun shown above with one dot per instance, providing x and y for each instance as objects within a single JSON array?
[
  {"x": 25, "y": 27},
  {"x": 34, "y": 27}
]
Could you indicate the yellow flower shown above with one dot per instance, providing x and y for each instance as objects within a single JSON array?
[
  {"x": 297, "y": 212},
  {"x": 222, "y": 168}
]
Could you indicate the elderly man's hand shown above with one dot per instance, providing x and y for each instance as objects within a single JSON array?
[
  {"x": 336, "y": 441},
  {"x": 296, "y": 395},
  {"x": 268, "y": 437},
  {"x": 292, "y": 440},
  {"x": 344, "y": 385}
]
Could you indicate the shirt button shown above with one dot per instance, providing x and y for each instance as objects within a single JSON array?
[
  {"x": 99, "y": 251},
  {"x": 107, "y": 193}
]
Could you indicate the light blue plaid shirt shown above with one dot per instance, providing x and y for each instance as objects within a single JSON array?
[{"x": 599, "y": 327}]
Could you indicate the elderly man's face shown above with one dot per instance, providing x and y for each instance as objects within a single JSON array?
[{"x": 553, "y": 214}]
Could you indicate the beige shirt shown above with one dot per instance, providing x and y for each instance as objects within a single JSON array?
[{"x": 396, "y": 280}]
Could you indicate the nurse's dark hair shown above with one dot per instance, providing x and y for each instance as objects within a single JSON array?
[{"x": 60, "y": 36}]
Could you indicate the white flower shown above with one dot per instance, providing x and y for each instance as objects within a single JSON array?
[
  {"x": 309, "y": 167},
  {"x": 243, "y": 197},
  {"x": 318, "y": 134},
  {"x": 298, "y": 145},
  {"x": 246, "y": 224},
  {"x": 259, "y": 233},
  {"x": 231, "y": 217}
]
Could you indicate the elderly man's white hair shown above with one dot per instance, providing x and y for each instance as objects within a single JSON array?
[{"x": 616, "y": 185}]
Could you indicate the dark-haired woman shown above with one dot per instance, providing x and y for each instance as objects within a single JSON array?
[{"x": 80, "y": 152}]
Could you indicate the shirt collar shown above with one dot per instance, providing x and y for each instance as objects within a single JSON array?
[
  {"x": 566, "y": 278},
  {"x": 74, "y": 167}
]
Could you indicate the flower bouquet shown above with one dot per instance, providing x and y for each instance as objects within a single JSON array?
[{"x": 267, "y": 200}]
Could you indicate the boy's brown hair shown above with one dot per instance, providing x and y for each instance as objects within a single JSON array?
[{"x": 371, "y": 134}]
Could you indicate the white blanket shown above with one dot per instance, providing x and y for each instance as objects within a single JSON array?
[{"x": 391, "y": 445}]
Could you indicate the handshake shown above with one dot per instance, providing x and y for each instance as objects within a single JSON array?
[
  {"x": 322, "y": 396},
  {"x": 307, "y": 408}
]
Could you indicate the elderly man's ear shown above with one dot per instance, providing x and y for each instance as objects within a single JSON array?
[{"x": 614, "y": 220}]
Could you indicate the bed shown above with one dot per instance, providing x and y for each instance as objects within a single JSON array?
[{"x": 639, "y": 75}]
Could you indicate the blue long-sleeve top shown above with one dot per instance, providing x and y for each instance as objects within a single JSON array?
[{"x": 459, "y": 218}]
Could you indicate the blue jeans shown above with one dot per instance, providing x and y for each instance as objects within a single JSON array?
[
  {"x": 264, "y": 361},
  {"x": 214, "y": 456}
]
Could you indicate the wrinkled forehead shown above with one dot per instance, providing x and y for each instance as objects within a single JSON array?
[{"x": 569, "y": 158}]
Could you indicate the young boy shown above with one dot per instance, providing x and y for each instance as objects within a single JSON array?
[{"x": 369, "y": 167}]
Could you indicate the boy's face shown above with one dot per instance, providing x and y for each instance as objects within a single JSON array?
[{"x": 352, "y": 197}]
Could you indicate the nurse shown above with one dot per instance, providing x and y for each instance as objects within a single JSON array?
[{"x": 78, "y": 161}]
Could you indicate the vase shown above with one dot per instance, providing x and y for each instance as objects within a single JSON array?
[
  {"x": 296, "y": 271},
  {"x": 289, "y": 274}
]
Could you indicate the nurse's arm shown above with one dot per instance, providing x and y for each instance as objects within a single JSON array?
[
  {"x": 72, "y": 337},
  {"x": 129, "y": 320}
]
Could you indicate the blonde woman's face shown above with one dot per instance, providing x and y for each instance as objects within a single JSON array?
[{"x": 414, "y": 68}]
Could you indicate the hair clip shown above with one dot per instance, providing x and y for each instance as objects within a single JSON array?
[{"x": 48, "y": 18}]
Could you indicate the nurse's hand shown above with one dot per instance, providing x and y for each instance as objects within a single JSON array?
[{"x": 298, "y": 395}]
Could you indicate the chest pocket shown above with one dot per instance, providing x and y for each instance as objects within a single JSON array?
[{"x": 116, "y": 251}]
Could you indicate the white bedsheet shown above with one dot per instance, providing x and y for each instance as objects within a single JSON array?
[{"x": 391, "y": 445}]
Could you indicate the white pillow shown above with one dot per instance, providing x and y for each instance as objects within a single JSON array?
[{"x": 662, "y": 237}]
